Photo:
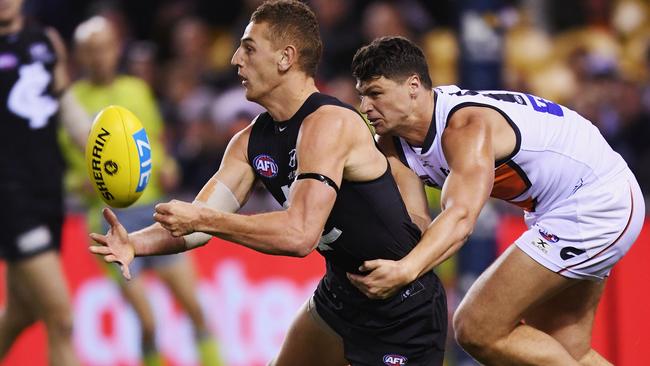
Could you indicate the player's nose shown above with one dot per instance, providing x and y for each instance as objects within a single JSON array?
[
  {"x": 235, "y": 57},
  {"x": 365, "y": 106}
]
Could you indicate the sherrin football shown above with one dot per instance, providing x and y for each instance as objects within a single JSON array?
[{"x": 118, "y": 156}]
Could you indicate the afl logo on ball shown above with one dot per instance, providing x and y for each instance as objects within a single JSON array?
[
  {"x": 265, "y": 166},
  {"x": 110, "y": 167},
  {"x": 395, "y": 360}
]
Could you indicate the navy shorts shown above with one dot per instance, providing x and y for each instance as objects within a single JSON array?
[
  {"x": 30, "y": 227},
  {"x": 409, "y": 328}
]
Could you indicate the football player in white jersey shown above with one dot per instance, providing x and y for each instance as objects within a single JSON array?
[{"x": 535, "y": 305}]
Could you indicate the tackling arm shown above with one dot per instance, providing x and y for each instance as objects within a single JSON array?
[{"x": 468, "y": 147}]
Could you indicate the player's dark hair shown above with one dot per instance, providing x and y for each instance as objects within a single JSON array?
[
  {"x": 394, "y": 58},
  {"x": 291, "y": 21}
]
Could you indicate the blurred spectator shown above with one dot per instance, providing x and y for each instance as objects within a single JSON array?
[
  {"x": 440, "y": 47},
  {"x": 383, "y": 18},
  {"x": 186, "y": 103},
  {"x": 141, "y": 63},
  {"x": 342, "y": 86},
  {"x": 190, "y": 45},
  {"x": 98, "y": 50},
  {"x": 340, "y": 35}
]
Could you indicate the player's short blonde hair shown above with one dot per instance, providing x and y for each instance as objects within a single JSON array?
[{"x": 292, "y": 22}]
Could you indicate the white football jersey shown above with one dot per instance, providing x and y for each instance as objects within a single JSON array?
[{"x": 557, "y": 153}]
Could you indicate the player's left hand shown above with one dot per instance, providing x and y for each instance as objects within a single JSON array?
[
  {"x": 178, "y": 217},
  {"x": 383, "y": 280}
]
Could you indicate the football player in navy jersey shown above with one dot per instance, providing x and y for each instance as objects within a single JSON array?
[
  {"x": 319, "y": 160},
  {"x": 33, "y": 83}
]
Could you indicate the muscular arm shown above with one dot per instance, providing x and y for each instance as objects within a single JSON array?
[
  {"x": 322, "y": 148},
  {"x": 468, "y": 147},
  {"x": 237, "y": 176}
]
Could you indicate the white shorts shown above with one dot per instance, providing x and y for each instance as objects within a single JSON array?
[{"x": 583, "y": 236}]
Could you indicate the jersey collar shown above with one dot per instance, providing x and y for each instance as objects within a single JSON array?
[{"x": 431, "y": 134}]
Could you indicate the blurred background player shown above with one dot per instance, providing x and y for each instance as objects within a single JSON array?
[
  {"x": 33, "y": 83},
  {"x": 98, "y": 50}
]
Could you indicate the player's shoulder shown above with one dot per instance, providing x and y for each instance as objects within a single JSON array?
[
  {"x": 332, "y": 117},
  {"x": 243, "y": 136},
  {"x": 330, "y": 123}
]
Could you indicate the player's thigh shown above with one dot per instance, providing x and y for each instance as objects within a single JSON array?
[
  {"x": 569, "y": 315},
  {"x": 178, "y": 273},
  {"x": 512, "y": 285},
  {"x": 19, "y": 309},
  {"x": 309, "y": 342},
  {"x": 180, "y": 277},
  {"x": 135, "y": 292},
  {"x": 42, "y": 280}
]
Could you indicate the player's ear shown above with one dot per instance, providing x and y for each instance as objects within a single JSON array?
[
  {"x": 287, "y": 58},
  {"x": 413, "y": 82}
]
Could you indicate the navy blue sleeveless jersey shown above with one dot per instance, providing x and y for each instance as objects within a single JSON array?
[
  {"x": 31, "y": 165},
  {"x": 368, "y": 221},
  {"x": 30, "y": 159}
]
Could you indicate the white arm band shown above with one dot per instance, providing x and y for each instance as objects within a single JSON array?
[
  {"x": 74, "y": 118},
  {"x": 221, "y": 199}
]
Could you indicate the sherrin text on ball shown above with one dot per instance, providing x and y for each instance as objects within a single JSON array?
[{"x": 118, "y": 156}]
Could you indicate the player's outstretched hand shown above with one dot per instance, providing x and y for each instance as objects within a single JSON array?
[
  {"x": 115, "y": 245},
  {"x": 178, "y": 217},
  {"x": 381, "y": 278}
]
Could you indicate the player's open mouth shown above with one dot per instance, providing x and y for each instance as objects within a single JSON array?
[
  {"x": 244, "y": 81},
  {"x": 374, "y": 121}
]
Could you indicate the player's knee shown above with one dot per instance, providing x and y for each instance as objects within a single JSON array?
[{"x": 470, "y": 333}]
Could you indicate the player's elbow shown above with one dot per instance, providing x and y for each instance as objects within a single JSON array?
[
  {"x": 302, "y": 242},
  {"x": 464, "y": 220},
  {"x": 303, "y": 251},
  {"x": 299, "y": 248}
]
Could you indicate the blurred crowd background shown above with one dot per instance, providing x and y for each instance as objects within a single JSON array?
[{"x": 590, "y": 55}]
